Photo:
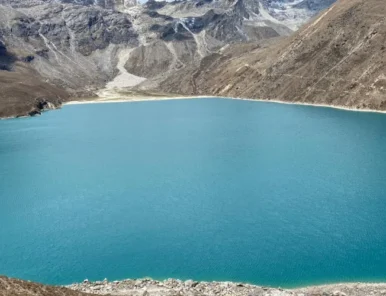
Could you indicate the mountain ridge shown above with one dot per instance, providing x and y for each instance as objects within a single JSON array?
[
  {"x": 76, "y": 46},
  {"x": 338, "y": 59}
]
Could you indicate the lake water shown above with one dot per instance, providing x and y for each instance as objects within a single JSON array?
[{"x": 209, "y": 189}]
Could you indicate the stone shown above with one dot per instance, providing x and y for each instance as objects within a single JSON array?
[{"x": 190, "y": 283}]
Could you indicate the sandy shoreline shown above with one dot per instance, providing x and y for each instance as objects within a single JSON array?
[
  {"x": 140, "y": 98},
  {"x": 133, "y": 99}
]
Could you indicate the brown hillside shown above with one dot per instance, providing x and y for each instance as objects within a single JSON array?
[
  {"x": 14, "y": 287},
  {"x": 338, "y": 58},
  {"x": 23, "y": 92}
]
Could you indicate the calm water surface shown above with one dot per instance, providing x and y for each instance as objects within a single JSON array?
[{"x": 209, "y": 189}]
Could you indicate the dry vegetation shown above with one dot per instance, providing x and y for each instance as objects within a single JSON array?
[{"x": 13, "y": 287}]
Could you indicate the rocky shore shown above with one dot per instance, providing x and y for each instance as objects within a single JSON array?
[{"x": 173, "y": 287}]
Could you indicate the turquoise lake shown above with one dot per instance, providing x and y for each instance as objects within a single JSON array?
[{"x": 208, "y": 189}]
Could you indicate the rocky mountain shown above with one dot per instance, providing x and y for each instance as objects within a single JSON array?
[
  {"x": 337, "y": 59},
  {"x": 68, "y": 47},
  {"x": 108, "y": 4},
  {"x": 90, "y": 47},
  {"x": 294, "y": 13}
]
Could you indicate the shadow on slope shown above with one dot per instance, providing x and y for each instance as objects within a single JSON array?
[
  {"x": 6, "y": 58},
  {"x": 23, "y": 92}
]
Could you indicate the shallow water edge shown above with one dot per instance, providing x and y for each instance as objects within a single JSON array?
[
  {"x": 144, "y": 98},
  {"x": 171, "y": 97}
]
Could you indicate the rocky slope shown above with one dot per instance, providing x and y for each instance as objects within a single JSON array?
[
  {"x": 60, "y": 50},
  {"x": 78, "y": 47},
  {"x": 338, "y": 59},
  {"x": 23, "y": 92},
  {"x": 148, "y": 287},
  {"x": 294, "y": 12}
]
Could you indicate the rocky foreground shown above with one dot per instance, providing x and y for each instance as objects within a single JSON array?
[{"x": 172, "y": 287}]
